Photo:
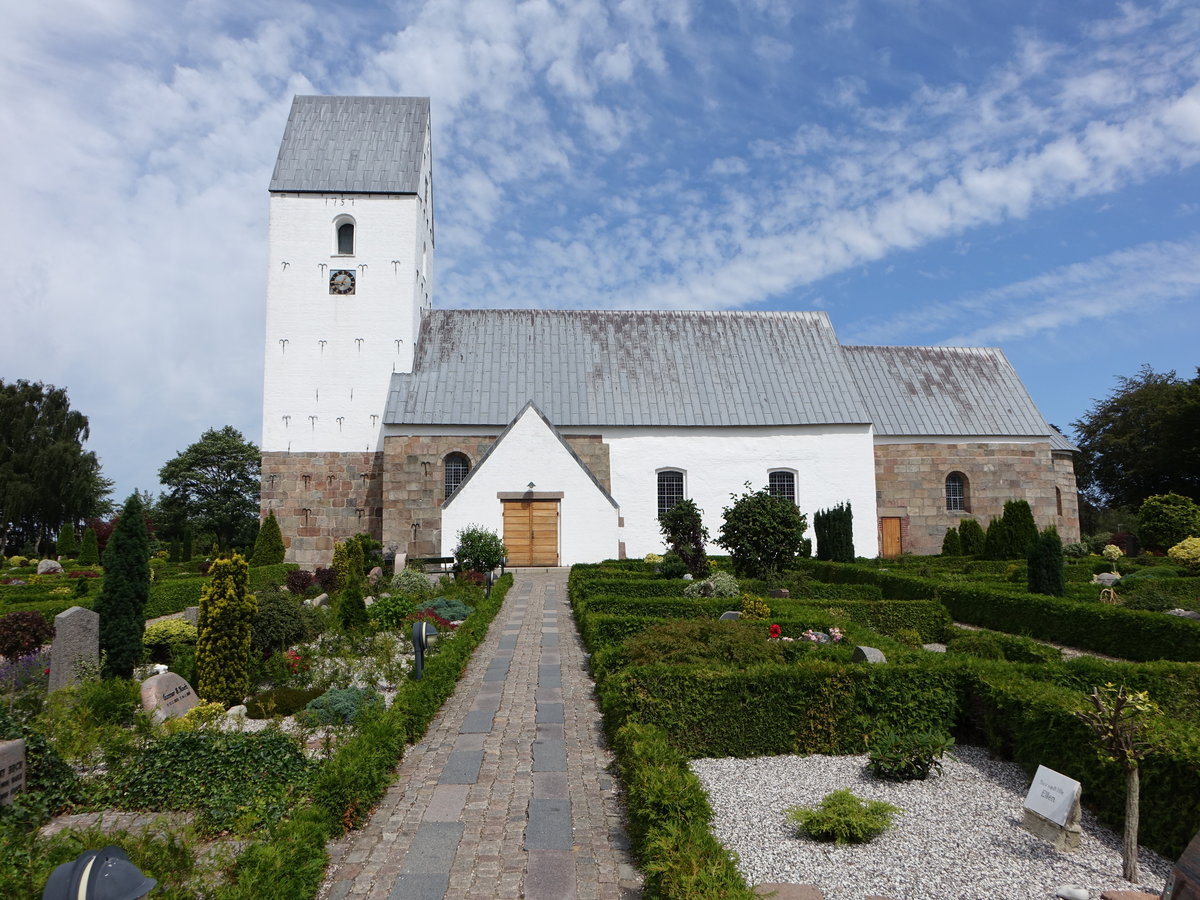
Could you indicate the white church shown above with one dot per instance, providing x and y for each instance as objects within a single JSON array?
[{"x": 568, "y": 431}]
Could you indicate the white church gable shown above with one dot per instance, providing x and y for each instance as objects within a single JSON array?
[{"x": 530, "y": 462}]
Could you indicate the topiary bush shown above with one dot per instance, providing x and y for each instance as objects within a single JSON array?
[
  {"x": 907, "y": 757},
  {"x": 686, "y": 641},
  {"x": 341, "y": 706},
  {"x": 278, "y": 623},
  {"x": 89, "y": 548},
  {"x": 683, "y": 527},
  {"x": 1045, "y": 573},
  {"x": 226, "y": 623},
  {"x": 834, "y": 529},
  {"x": 951, "y": 543},
  {"x": 479, "y": 549},
  {"x": 971, "y": 536},
  {"x": 844, "y": 818},
  {"x": 23, "y": 632},
  {"x": 268, "y": 546}
]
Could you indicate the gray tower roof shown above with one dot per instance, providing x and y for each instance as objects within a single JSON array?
[
  {"x": 943, "y": 391},
  {"x": 588, "y": 368},
  {"x": 356, "y": 145}
]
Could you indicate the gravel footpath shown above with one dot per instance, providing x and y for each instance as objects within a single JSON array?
[{"x": 958, "y": 838}]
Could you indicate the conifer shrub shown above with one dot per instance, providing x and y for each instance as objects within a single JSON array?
[
  {"x": 349, "y": 610},
  {"x": 971, "y": 536},
  {"x": 844, "y": 818},
  {"x": 683, "y": 528},
  {"x": 412, "y": 584},
  {"x": 1187, "y": 553},
  {"x": 89, "y": 549},
  {"x": 907, "y": 756},
  {"x": 268, "y": 546},
  {"x": 225, "y": 627},
  {"x": 341, "y": 706},
  {"x": 161, "y": 638},
  {"x": 66, "y": 546},
  {"x": 185, "y": 550},
  {"x": 278, "y": 623},
  {"x": 122, "y": 600},
  {"x": 1013, "y": 534},
  {"x": 951, "y": 543},
  {"x": 1045, "y": 573},
  {"x": 834, "y": 530}
]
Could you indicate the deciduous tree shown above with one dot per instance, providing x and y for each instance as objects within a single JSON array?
[
  {"x": 683, "y": 527},
  {"x": 762, "y": 532},
  {"x": 215, "y": 483}
]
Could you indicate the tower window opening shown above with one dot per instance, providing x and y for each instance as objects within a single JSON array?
[{"x": 345, "y": 239}]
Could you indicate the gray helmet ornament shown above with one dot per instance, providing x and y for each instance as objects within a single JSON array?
[{"x": 98, "y": 875}]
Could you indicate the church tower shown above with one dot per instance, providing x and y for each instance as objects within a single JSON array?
[{"x": 350, "y": 256}]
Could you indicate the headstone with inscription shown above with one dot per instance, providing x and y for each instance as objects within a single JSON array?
[
  {"x": 1052, "y": 809},
  {"x": 12, "y": 769},
  {"x": 76, "y": 643},
  {"x": 871, "y": 655},
  {"x": 166, "y": 696},
  {"x": 1184, "y": 881}
]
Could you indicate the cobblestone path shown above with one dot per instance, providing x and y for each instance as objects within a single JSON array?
[{"x": 509, "y": 794}]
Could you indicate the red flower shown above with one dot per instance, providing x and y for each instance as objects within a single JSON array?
[{"x": 775, "y": 632}]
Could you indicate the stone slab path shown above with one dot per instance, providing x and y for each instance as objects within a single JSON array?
[{"x": 509, "y": 794}]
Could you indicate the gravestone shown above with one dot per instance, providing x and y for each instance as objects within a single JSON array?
[
  {"x": 1052, "y": 809},
  {"x": 49, "y": 567},
  {"x": 166, "y": 696},
  {"x": 1184, "y": 880},
  {"x": 374, "y": 576},
  {"x": 192, "y": 615},
  {"x": 780, "y": 594},
  {"x": 76, "y": 642},
  {"x": 12, "y": 769},
  {"x": 868, "y": 655},
  {"x": 731, "y": 616},
  {"x": 1106, "y": 579}
]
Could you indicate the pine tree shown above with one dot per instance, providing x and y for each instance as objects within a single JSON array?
[
  {"x": 1046, "y": 565},
  {"x": 175, "y": 550},
  {"x": 122, "y": 600},
  {"x": 66, "y": 546},
  {"x": 951, "y": 543},
  {"x": 971, "y": 536},
  {"x": 89, "y": 550},
  {"x": 268, "y": 547},
  {"x": 223, "y": 643},
  {"x": 834, "y": 530}
]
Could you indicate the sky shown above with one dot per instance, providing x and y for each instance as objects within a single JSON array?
[{"x": 1019, "y": 174}]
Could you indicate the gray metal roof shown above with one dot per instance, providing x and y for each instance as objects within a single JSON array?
[
  {"x": 943, "y": 391},
  {"x": 354, "y": 145},
  {"x": 589, "y": 368}
]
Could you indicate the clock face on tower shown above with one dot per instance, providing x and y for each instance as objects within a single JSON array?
[{"x": 341, "y": 281}]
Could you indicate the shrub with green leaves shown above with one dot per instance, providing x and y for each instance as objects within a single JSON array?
[
  {"x": 683, "y": 528},
  {"x": 907, "y": 757},
  {"x": 391, "y": 612},
  {"x": 1166, "y": 519},
  {"x": 226, "y": 622},
  {"x": 162, "y": 637},
  {"x": 844, "y": 818},
  {"x": 1187, "y": 553},
  {"x": 341, "y": 706},
  {"x": 672, "y": 566},
  {"x": 763, "y": 532},
  {"x": 278, "y": 623},
  {"x": 754, "y": 608},
  {"x": 686, "y": 641},
  {"x": 268, "y": 546},
  {"x": 479, "y": 549},
  {"x": 718, "y": 584},
  {"x": 412, "y": 584}
]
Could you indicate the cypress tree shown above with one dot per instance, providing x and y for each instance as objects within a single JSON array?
[
  {"x": 971, "y": 536},
  {"x": 951, "y": 543},
  {"x": 835, "y": 533},
  {"x": 122, "y": 600},
  {"x": 89, "y": 550},
  {"x": 1022, "y": 530},
  {"x": 268, "y": 546},
  {"x": 995, "y": 543},
  {"x": 223, "y": 642},
  {"x": 175, "y": 550},
  {"x": 187, "y": 545},
  {"x": 349, "y": 609},
  {"x": 1045, "y": 560},
  {"x": 66, "y": 546}
]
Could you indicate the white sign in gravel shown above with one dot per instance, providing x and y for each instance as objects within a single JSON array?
[{"x": 1053, "y": 795}]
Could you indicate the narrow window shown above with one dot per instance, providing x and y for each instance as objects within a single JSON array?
[
  {"x": 782, "y": 483},
  {"x": 670, "y": 489},
  {"x": 956, "y": 492},
  {"x": 345, "y": 239},
  {"x": 456, "y": 467},
  {"x": 1058, "y": 499}
]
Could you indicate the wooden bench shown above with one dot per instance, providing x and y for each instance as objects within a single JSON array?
[{"x": 434, "y": 563}]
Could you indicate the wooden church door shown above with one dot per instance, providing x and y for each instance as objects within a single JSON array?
[{"x": 531, "y": 532}]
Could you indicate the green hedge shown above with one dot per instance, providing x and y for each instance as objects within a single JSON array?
[
  {"x": 669, "y": 815},
  {"x": 289, "y": 862},
  {"x": 885, "y": 616},
  {"x": 172, "y": 595},
  {"x": 262, "y": 577}
]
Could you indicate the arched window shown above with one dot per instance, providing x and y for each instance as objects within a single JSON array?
[
  {"x": 345, "y": 236},
  {"x": 782, "y": 483},
  {"x": 956, "y": 492},
  {"x": 456, "y": 467},
  {"x": 670, "y": 489}
]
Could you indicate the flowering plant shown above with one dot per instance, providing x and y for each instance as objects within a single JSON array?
[
  {"x": 296, "y": 662},
  {"x": 775, "y": 632},
  {"x": 810, "y": 635},
  {"x": 1112, "y": 553},
  {"x": 836, "y": 634}
]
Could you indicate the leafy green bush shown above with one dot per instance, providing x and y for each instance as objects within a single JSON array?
[
  {"x": 899, "y": 756},
  {"x": 341, "y": 706},
  {"x": 718, "y": 584},
  {"x": 683, "y": 528},
  {"x": 479, "y": 549},
  {"x": 1186, "y": 553},
  {"x": 280, "y": 702},
  {"x": 672, "y": 566},
  {"x": 1166, "y": 519},
  {"x": 160, "y": 638},
  {"x": 763, "y": 532},
  {"x": 844, "y": 818},
  {"x": 23, "y": 632},
  {"x": 412, "y": 584},
  {"x": 278, "y": 623},
  {"x": 984, "y": 644},
  {"x": 1151, "y": 598},
  {"x": 705, "y": 641}
]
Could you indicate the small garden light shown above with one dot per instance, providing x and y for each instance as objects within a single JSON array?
[{"x": 423, "y": 636}]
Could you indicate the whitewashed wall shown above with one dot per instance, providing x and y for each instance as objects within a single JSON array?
[
  {"x": 833, "y": 463},
  {"x": 344, "y": 379},
  {"x": 530, "y": 451}
]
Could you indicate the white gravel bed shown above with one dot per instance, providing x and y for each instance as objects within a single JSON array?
[{"x": 959, "y": 836}]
